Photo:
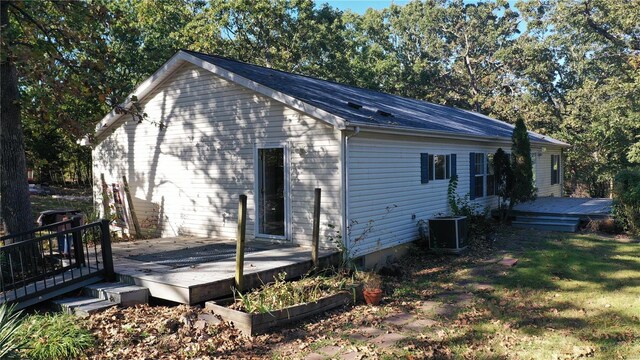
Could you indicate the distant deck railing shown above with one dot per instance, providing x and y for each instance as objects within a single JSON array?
[{"x": 42, "y": 263}]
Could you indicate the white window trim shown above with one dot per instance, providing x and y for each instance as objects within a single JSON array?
[
  {"x": 287, "y": 191},
  {"x": 485, "y": 174}
]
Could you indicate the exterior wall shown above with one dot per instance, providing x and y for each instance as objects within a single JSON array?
[
  {"x": 543, "y": 178},
  {"x": 186, "y": 179},
  {"x": 386, "y": 198}
]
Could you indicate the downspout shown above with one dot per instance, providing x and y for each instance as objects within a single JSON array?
[{"x": 345, "y": 186}]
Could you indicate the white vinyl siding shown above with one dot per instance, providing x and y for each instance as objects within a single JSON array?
[
  {"x": 385, "y": 189},
  {"x": 386, "y": 197},
  {"x": 543, "y": 175},
  {"x": 187, "y": 178}
]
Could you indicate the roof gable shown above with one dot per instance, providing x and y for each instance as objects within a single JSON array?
[{"x": 338, "y": 104}]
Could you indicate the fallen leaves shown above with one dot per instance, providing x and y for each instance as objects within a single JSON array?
[{"x": 152, "y": 332}]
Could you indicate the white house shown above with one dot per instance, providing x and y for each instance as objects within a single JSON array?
[{"x": 382, "y": 161}]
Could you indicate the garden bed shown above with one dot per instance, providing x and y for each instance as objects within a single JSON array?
[
  {"x": 252, "y": 324},
  {"x": 282, "y": 302}
]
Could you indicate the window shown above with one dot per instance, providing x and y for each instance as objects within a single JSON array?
[
  {"x": 555, "y": 169},
  {"x": 483, "y": 179},
  {"x": 479, "y": 174},
  {"x": 436, "y": 167}
]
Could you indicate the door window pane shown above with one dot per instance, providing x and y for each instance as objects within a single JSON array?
[{"x": 271, "y": 188}]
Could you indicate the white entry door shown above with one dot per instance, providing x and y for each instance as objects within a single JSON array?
[{"x": 272, "y": 193}]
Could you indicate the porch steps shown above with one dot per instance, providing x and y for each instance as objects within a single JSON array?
[
  {"x": 562, "y": 223},
  {"x": 101, "y": 296},
  {"x": 125, "y": 295},
  {"x": 82, "y": 306}
]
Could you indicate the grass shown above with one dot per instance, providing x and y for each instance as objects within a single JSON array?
[
  {"x": 585, "y": 293},
  {"x": 10, "y": 341},
  {"x": 41, "y": 203},
  {"x": 54, "y": 336},
  {"x": 569, "y": 296}
]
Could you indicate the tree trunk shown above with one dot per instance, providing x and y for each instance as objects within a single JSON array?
[{"x": 15, "y": 207}]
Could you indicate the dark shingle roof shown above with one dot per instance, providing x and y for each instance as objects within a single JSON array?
[{"x": 377, "y": 108}]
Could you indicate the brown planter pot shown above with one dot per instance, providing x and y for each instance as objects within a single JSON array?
[{"x": 372, "y": 296}]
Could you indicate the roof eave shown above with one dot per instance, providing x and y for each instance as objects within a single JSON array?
[{"x": 398, "y": 130}]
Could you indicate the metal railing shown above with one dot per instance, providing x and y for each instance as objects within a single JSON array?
[{"x": 52, "y": 257}]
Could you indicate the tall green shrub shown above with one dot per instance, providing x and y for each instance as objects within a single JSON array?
[
  {"x": 504, "y": 181},
  {"x": 522, "y": 172},
  {"x": 626, "y": 191}
]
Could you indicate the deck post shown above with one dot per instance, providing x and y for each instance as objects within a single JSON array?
[
  {"x": 78, "y": 249},
  {"x": 316, "y": 227},
  {"x": 107, "y": 255},
  {"x": 242, "y": 222}
]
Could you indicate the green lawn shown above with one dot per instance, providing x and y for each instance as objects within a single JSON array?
[
  {"x": 582, "y": 294},
  {"x": 569, "y": 296},
  {"x": 41, "y": 203}
]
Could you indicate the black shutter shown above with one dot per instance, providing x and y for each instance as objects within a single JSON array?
[
  {"x": 454, "y": 165},
  {"x": 472, "y": 176},
  {"x": 424, "y": 168}
]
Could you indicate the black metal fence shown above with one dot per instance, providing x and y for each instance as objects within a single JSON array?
[{"x": 52, "y": 257}]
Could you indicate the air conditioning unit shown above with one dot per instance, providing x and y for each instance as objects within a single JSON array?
[{"x": 448, "y": 234}]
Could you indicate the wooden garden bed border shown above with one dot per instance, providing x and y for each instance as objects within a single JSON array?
[{"x": 254, "y": 324}]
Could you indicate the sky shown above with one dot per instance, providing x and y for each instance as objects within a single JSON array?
[{"x": 360, "y": 6}]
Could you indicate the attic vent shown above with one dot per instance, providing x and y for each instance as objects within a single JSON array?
[
  {"x": 383, "y": 113},
  {"x": 354, "y": 105}
]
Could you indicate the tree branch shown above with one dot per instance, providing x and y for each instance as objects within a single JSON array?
[
  {"x": 604, "y": 33},
  {"x": 30, "y": 19}
]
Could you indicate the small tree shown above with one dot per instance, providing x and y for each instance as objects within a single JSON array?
[
  {"x": 626, "y": 191},
  {"x": 522, "y": 173},
  {"x": 504, "y": 181}
]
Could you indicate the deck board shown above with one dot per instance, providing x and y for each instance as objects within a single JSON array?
[
  {"x": 207, "y": 280},
  {"x": 584, "y": 208}
]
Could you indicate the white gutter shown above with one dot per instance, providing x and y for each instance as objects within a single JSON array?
[{"x": 345, "y": 185}]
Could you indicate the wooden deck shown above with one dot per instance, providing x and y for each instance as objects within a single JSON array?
[
  {"x": 205, "y": 281},
  {"x": 584, "y": 208}
]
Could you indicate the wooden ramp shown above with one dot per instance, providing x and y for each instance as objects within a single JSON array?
[
  {"x": 207, "y": 280},
  {"x": 38, "y": 291},
  {"x": 47, "y": 262}
]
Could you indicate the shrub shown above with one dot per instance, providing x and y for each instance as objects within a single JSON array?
[
  {"x": 626, "y": 191},
  {"x": 10, "y": 341},
  {"x": 54, "y": 336},
  {"x": 608, "y": 226},
  {"x": 521, "y": 168},
  {"x": 480, "y": 225}
]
